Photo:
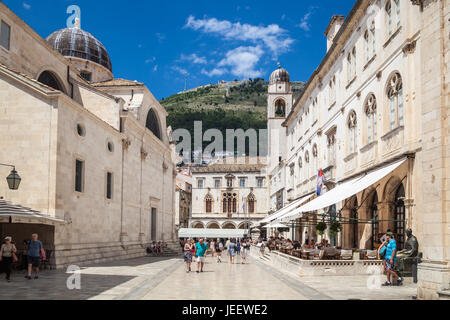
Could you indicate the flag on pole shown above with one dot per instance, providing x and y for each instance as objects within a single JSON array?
[{"x": 320, "y": 181}]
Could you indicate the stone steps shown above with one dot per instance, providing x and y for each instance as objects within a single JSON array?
[{"x": 444, "y": 294}]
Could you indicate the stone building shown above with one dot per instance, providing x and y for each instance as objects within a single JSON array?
[
  {"x": 93, "y": 151},
  {"x": 183, "y": 198},
  {"x": 229, "y": 195},
  {"x": 374, "y": 118}
]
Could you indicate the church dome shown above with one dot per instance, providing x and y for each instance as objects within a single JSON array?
[
  {"x": 77, "y": 43},
  {"x": 280, "y": 75}
]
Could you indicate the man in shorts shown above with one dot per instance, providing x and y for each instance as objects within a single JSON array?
[
  {"x": 390, "y": 258},
  {"x": 200, "y": 250},
  {"x": 34, "y": 256}
]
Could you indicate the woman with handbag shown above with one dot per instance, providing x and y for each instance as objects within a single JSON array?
[{"x": 7, "y": 257}]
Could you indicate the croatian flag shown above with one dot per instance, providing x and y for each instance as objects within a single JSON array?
[{"x": 320, "y": 180}]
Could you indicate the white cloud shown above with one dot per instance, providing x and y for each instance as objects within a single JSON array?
[
  {"x": 214, "y": 72},
  {"x": 150, "y": 60},
  {"x": 155, "y": 68},
  {"x": 305, "y": 23},
  {"x": 194, "y": 58},
  {"x": 26, "y": 6},
  {"x": 160, "y": 36},
  {"x": 243, "y": 61},
  {"x": 180, "y": 70},
  {"x": 272, "y": 36}
]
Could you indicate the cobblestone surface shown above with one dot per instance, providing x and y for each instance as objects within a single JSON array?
[{"x": 166, "y": 278}]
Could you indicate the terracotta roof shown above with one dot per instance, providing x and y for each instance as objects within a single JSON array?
[{"x": 117, "y": 83}]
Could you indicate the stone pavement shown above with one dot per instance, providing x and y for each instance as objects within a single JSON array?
[
  {"x": 166, "y": 278},
  {"x": 257, "y": 281},
  {"x": 106, "y": 281}
]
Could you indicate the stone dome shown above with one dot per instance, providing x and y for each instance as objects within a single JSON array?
[
  {"x": 77, "y": 43},
  {"x": 279, "y": 75}
]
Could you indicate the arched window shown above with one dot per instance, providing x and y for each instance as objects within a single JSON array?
[
  {"x": 397, "y": 12},
  {"x": 153, "y": 123},
  {"x": 352, "y": 131},
  {"x": 389, "y": 20},
  {"x": 49, "y": 79},
  {"x": 315, "y": 152},
  {"x": 370, "y": 109},
  {"x": 230, "y": 203},
  {"x": 209, "y": 203},
  {"x": 370, "y": 42},
  {"x": 375, "y": 221},
  {"x": 280, "y": 108},
  {"x": 251, "y": 203},
  {"x": 400, "y": 218},
  {"x": 308, "y": 167},
  {"x": 395, "y": 96}
]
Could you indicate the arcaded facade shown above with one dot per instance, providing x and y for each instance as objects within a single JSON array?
[
  {"x": 229, "y": 195},
  {"x": 379, "y": 98}
]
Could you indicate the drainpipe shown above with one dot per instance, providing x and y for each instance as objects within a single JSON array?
[{"x": 70, "y": 83}]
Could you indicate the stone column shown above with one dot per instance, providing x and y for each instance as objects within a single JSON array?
[
  {"x": 346, "y": 229},
  {"x": 434, "y": 160}
]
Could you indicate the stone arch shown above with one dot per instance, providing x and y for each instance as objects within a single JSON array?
[
  {"x": 153, "y": 123},
  {"x": 229, "y": 225},
  {"x": 393, "y": 208},
  {"x": 242, "y": 225},
  {"x": 51, "y": 79},
  {"x": 198, "y": 225},
  {"x": 370, "y": 213},
  {"x": 213, "y": 225},
  {"x": 350, "y": 222},
  {"x": 280, "y": 107}
]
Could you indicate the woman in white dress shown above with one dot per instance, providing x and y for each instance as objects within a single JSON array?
[{"x": 212, "y": 247}]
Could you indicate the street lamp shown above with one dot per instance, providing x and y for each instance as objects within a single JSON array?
[{"x": 13, "y": 179}]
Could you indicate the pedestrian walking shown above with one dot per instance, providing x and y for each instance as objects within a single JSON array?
[
  {"x": 232, "y": 250},
  {"x": 7, "y": 257},
  {"x": 244, "y": 252},
  {"x": 188, "y": 255},
  {"x": 390, "y": 258},
  {"x": 219, "y": 249},
  {"x": 35, "y": 254},
  {"x": 238, "y": 248},
  {"x": 200, "y": 251},
  {"x": 212, "y": 247}
]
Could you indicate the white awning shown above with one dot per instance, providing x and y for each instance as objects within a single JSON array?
[
  {"x": 275, "y": 225},
  {"x": 284, "y": 210},
  {"x": 212, "y": 233},
  {"x": 344, "y": 191},
  {"x": 12, "y": 213}
]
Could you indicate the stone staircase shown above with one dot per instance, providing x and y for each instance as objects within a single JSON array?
[
  {"x": 444, "y": 294},
  {"x": 170, "y": 249}
]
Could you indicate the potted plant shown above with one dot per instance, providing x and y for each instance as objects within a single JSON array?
[
  {"x": 321, "y": 227},
  {"x": 335, "y": 228}
]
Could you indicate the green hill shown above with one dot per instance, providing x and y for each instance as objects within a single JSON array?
[{"x": 230, "y": 105}]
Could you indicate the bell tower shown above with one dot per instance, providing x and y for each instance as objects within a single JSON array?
[{"x": 279, "y": 105}]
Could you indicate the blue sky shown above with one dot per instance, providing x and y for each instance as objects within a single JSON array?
[{"x": 156, "y": 42}]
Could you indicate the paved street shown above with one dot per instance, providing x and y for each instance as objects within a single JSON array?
[{"x": 166, "y": 278}]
